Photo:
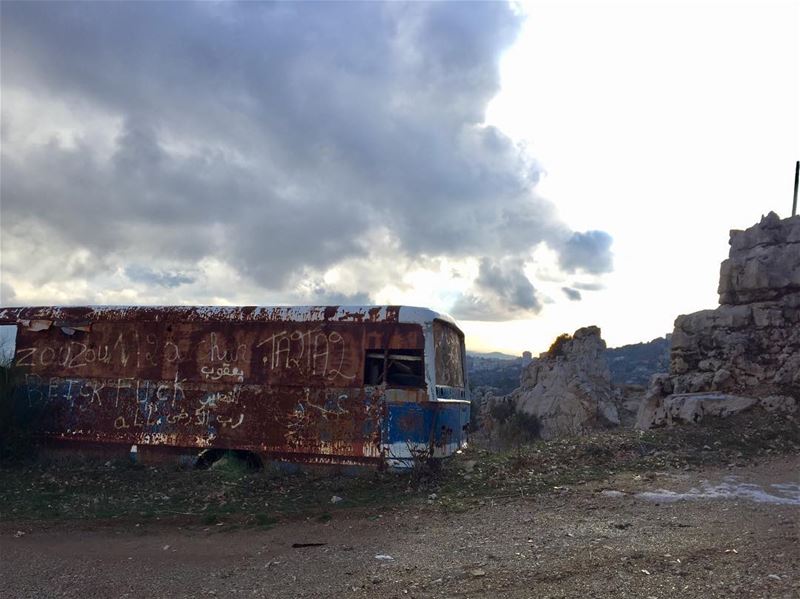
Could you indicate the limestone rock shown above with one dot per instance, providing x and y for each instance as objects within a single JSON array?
[
  {"x": 778, "y": 402},
  {"x": 569, "y": 387},
  {"x": 764, "y": 262},
  {"x": 748, "y": 347},
  {"x": 657, "y": 410}
]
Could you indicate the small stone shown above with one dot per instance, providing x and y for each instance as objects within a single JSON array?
[
  {"x": 612, "y": 493},
  {"x": 336, "y": 499},
  {"x": 477, "y": 573}
]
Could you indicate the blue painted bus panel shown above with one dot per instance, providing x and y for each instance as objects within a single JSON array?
[{"x": 421, "y": 430}]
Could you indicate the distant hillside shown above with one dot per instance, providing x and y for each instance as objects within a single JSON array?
[
  {"x": 635, "y": 364},
  {"x": 495, "y": 355},
  {"x": 486, "y": 370},
  {"x": 630, "y": 365}
]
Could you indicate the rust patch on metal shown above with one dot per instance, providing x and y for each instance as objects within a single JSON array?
[
  {"x": 89, "y": 314},
  {"x": 192, "y": 377}
]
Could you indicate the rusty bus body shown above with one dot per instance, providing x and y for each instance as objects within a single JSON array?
[{"x": 380, "y": 385}]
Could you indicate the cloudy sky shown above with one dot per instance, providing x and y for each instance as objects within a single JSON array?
[{"x": 529, "y": 169}]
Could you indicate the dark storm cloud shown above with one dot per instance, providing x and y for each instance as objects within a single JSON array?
[
  {"x": 322, "y": 296},
  {"x": 503, "y": 291},
  {"x": 572, "y": 294},
  {"x": 275, "y": 138},
  {"x": 507, "y": 279},
  {"x": 589, "y": 252},
  {"x": 143, "y": 274},
  {"x": 588, "y": 286}
]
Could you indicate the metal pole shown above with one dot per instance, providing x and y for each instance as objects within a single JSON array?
[{"x": 796, "y": 174}]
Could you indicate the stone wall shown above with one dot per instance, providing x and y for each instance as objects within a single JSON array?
[{"x": 750, "y": 345}]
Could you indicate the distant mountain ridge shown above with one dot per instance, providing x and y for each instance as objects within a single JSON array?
[
  {"x": 494, "y": 355},
  {"x": 632, "y": 364}
]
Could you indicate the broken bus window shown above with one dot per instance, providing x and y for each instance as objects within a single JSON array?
[{"x": 402, "y": 367}]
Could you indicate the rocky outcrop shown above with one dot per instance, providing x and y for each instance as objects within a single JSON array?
[
  {"x": 748, "y": 347},
  {"x": 763, "y": 264},
  {"x": 694, "y": 407},
  {"x": 568, "y": 387}
]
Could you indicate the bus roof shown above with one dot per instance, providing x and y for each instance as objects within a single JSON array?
[{"x": 71, "y": 315}]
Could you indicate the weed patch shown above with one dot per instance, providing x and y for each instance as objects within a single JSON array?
[{"x": 87, "y": 490}]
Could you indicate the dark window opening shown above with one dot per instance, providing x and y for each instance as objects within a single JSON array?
[
  {"x": 402, "y": 367},
  {"x": 374, "y": 367}
]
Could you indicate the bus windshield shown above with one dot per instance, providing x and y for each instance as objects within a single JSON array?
[{"x": 449, "y": 363}]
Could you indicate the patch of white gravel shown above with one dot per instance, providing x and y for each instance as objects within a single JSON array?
[{"x": 731, "y": 487}]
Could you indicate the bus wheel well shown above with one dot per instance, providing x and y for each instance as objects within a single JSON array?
[{"x": 208, "y": 457}]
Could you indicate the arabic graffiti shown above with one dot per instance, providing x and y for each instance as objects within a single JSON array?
[
  {"x": 215, "y": 374},
  {"x": 314, "y": 418},
  {"x": 139, "y": 404},
  {"x": 277, "y": 386},
  {"x": 181, "y": 413}
]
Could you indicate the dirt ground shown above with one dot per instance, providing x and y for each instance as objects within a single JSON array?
[{"x": 597, "y": 539}]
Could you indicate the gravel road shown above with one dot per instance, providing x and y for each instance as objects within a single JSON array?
[{"x": 600, "y": 539}]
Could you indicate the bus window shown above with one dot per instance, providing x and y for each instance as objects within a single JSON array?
[
  {"x": 401, "y": 367},
  {"x": 449, "y": 366},
  {"x": 8, "y": 343},
  {"x": 374, "y": 366}
]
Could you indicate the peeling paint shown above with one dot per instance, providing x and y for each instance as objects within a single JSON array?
[{"x": 283, "y": 382}]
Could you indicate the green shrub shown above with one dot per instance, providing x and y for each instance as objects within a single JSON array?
[
  {"x": 515, "y": 428},
  {"x": 557, "y": 348},
  {"x": 502, "y": 410},
  {"x": 520, "y": 428}
]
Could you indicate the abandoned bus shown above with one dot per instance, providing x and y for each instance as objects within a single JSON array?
[{"x": 381, "y": 385}]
